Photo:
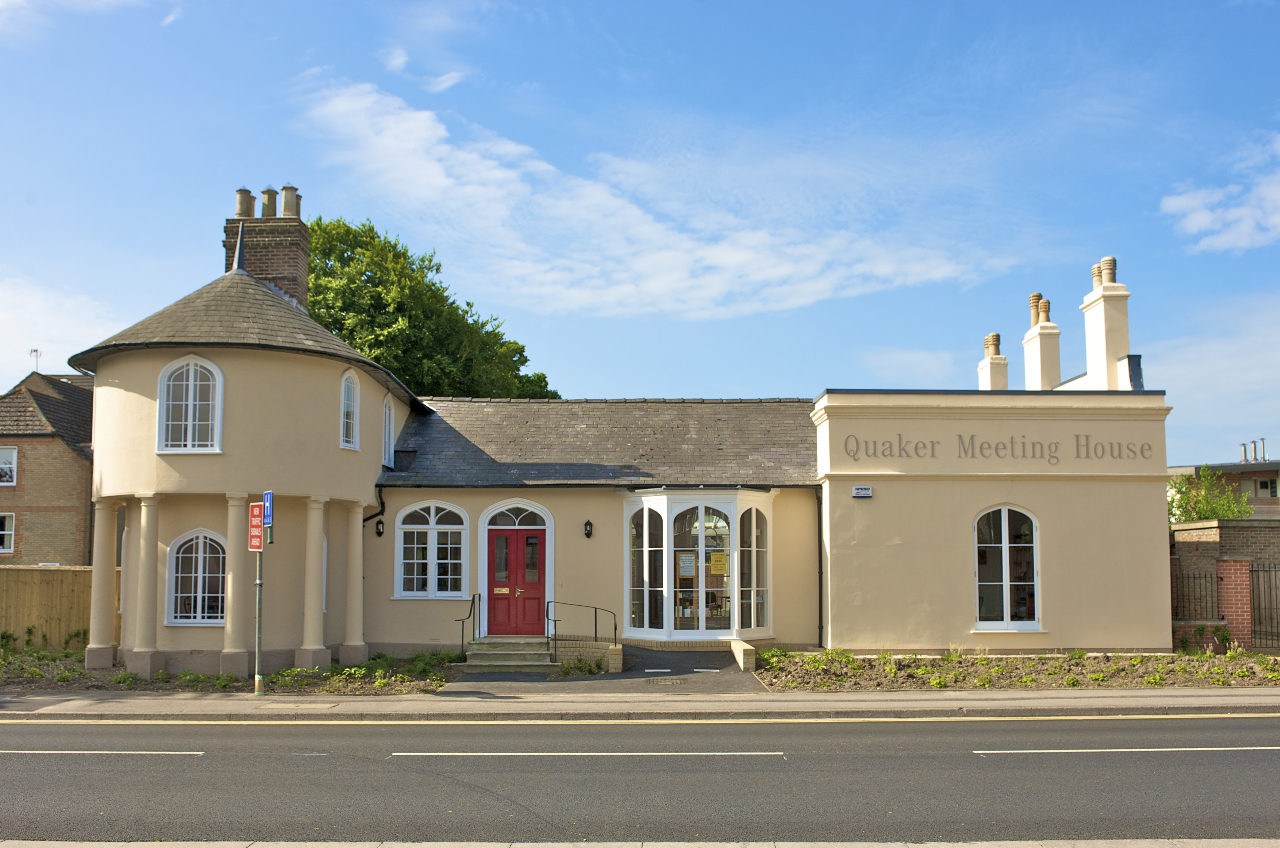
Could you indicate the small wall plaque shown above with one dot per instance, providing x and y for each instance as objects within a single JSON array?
[
  {"x": 502, "y": 591},
  {"x": 862, "y": 491}
]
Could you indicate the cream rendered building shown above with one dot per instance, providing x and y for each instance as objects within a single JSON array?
[{"x": 879, "y": 519}]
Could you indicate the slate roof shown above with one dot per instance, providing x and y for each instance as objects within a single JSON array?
[
  {"x": 51, "y": 405},
  {"x": 238, "y": 310},
  {"x": 471, "y": 442}
]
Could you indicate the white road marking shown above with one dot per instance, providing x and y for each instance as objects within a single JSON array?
[
  {"x": 139, "y": 753},
  {"x": 653, "y": 670},
  {"x": 716, "y": 670},
  {"x": 589, "y": 754},
  {"x": 1131, "y": 750}
]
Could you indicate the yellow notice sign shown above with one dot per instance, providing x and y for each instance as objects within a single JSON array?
[{"x": 719, "y": 561}]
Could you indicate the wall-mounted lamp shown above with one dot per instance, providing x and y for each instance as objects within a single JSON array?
[
  {"x": 378, "y": 527},
  {"x": 586, "y": 529}
]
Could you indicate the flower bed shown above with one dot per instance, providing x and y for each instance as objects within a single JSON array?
[{"x": 836, "y": 670}]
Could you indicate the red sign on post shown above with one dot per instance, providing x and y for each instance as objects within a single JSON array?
[{"x": 255, "y": 527}]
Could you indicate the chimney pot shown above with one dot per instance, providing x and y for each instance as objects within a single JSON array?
[
  {"x": 1108, "y": 269},
  {"x": 1097, "y": 275},
  {"x": 269, "y": 202},
  {"x": 991, "y": 344},
  {"x": 292, "y": 206},
  {"x": 1044, "y": 311},
  {"x": 1244, "y": 452},
  {"x": 1035, "y": 308},
  {"x": 244, "y": 203}
]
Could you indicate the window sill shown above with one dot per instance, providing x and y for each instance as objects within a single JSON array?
[
  {"x": 1008, "y": 631},
  {"x": 424, "y": 597},
  {"x": 218, "y": 623},
  {"x": 355, "y": 448},
  {"x": 188, "y": 450}
]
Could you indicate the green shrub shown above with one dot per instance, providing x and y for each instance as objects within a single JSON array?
[
  {"x": 1156, "y": 679},
  {"x": 34, "y": 673},
  {"x": 1078, "y": 654},
  {"x": 1097, "y": 677},
  {"x": 126, "y": 678},
  {"x": 984, "y": 681},
  {"x": 64, "y": 677},
  {"x": 161, "y": 675},
  {"x": 1071, "y": 680},
  {"x": 938, "y": 683}
]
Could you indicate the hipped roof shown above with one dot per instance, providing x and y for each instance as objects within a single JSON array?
[
  {"x": 471, "y": 442},
  {"x": 239, "y": 310},
  {"x": 58, "y": 405}
]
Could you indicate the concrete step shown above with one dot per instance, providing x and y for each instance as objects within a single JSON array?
[
  {"x": 538, "y": 643},
  {"x": 541, "y": 667},
  {"x": 509, "y": 656}
]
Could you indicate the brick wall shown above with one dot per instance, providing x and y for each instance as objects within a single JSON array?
[
  {"x": 1234, "y": 599},
  {"x": 51, "y": 505},
  {"x": 1200, "y": 544},
  {"x": 276, "y": 250}
]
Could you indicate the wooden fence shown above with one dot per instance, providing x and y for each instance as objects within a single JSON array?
[{"x": 53, "y": 600}]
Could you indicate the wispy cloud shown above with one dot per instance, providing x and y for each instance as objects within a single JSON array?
[
  {"x": 1237, "y": 216},
  {"x": 57, "y": 323},
  {"x": 394, "y": 59},
  {"x": 25, "y": 16},
  {"x": 628, "y": 241},
  {"x": 172, "y": 16},
  {"x": 444, "y": 82}
]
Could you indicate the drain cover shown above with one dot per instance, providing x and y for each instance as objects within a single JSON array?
[{"x": 667, "y": 681}]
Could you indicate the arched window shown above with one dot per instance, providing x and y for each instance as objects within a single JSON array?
[
  {"x": 517, "y": 516},
  {"x": 388, "y": 433},
  {"x": 753, "y": 570},
  {"x": 431, "y": 558},
  {"x": 700, "y": 546},
  {"x": 190, "y": 406},
  {"x": 1007, "y": 571},
  {"x": 646, "y": 545},
  {"x": 197, "y": 580},
  {"x": 350, "y": 411}
]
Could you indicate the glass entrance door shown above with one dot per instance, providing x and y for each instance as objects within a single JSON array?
[{"x": 700, "y": 554}]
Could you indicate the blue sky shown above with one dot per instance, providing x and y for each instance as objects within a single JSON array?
[{"x": 692, "y": 199}]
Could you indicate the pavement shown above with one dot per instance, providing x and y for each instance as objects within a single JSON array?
[
  {"x": 1078, "y": 843},
  {"x": 475, "y": 701}
]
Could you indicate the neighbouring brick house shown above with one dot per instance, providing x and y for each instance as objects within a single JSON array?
[
  {"x": 46, "y": 512},
  {"x": 45, "y": 471},
  {"x": 1257, "y": 479}
]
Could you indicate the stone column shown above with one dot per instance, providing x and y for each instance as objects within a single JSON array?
[
  {"x": 1235, "y": 600},
  {"x": 313, "y": 653},
  {"x": 101, "y": 650},
  {"x": 239, "y": 586},
  {"x": 144, "y": 659},
  {"x": 354, "y": 650}
]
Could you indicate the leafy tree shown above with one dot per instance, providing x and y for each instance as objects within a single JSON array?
[
  {"x": 1208, "y": 495},
  {"x": 388, "y": 303}
]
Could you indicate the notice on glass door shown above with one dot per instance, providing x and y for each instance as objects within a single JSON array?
[{"x": 688, "y": 564}]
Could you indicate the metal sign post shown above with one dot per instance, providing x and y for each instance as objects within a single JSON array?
[{"x": 255, "y": 544}]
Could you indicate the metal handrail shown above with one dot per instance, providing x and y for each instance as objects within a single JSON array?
[
  {"x": 475, "y": 626},
  {"x": 553, "y": 641}
]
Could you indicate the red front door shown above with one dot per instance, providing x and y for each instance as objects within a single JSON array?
[{"x": 517, "y": 581}]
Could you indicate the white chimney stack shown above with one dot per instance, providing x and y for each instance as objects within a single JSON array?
[
  {"x": 1106, "y": 332},
  {"x": 1041, "y": 345},
  {"x": 993, "y": 370}
]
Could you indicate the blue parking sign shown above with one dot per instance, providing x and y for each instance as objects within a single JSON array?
[{"x": 266, "y": 509}]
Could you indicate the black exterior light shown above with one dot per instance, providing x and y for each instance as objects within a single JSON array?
[
  {"x": 586, "y": 529},
  {"x": 378, "y": 527}
]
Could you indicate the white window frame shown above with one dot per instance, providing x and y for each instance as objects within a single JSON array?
[
  {"x": 11, "y": 534},
  {"x": 670, "y": 503},
  {"x": 398, "y": 591},
  {"x": 1008, "y": 625},
  {"x": 171, "y": 581},
  {"x": 162, "y": 406},
  {"x": 11, "y": 465},
  {"x": 388, "y": 432},
  {"x": 354, "y": 442}
]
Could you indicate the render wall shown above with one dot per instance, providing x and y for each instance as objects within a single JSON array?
[{"x": 901, "y": 571}]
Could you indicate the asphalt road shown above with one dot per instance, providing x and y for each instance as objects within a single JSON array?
[{"x": 865, "y": 781}]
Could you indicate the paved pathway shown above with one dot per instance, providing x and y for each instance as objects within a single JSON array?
[
  {"x": 491, "y": 703},
  {"x": 1083, "y": 843}
]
